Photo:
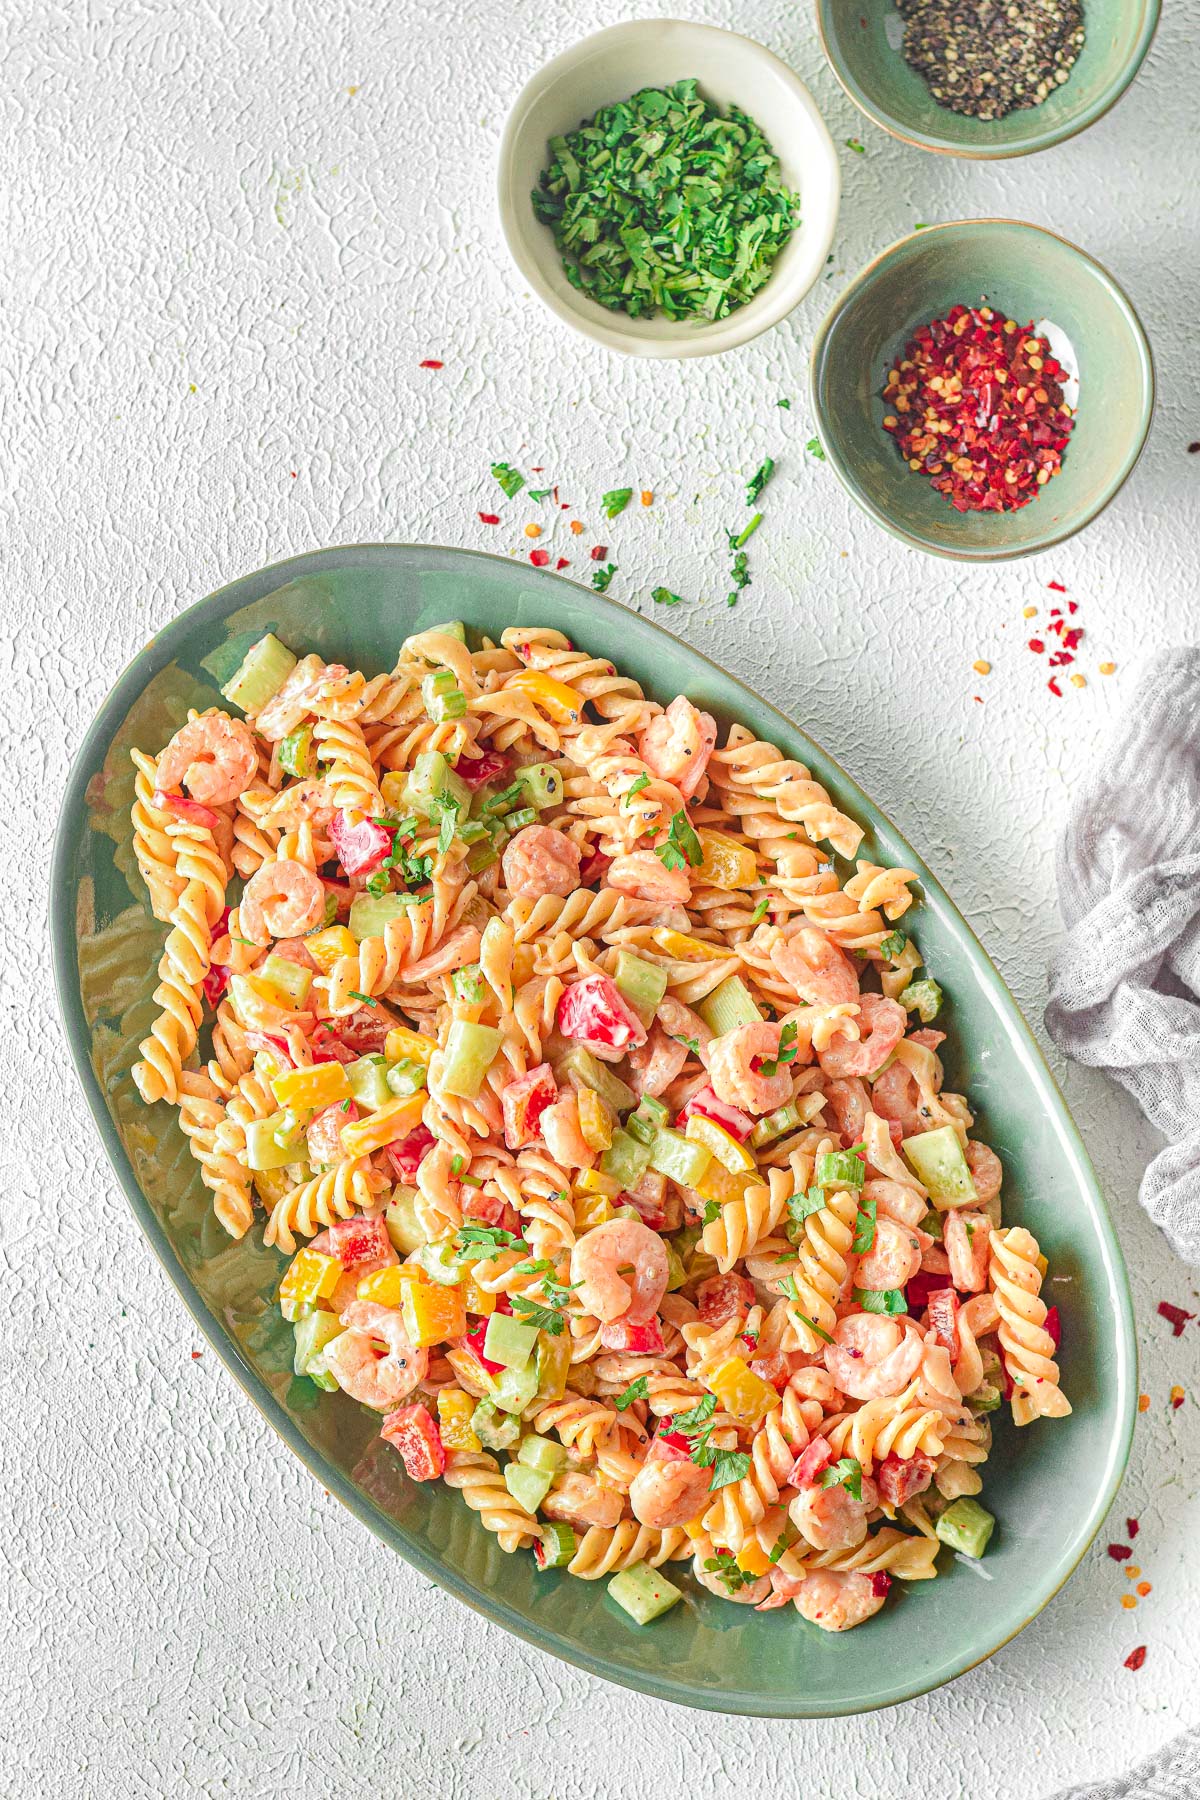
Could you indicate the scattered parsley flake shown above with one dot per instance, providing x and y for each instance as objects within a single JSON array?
[
  {"x": 786, "y": 405},
  {"x": 883, "y": 1300},
  {"x": 853, "y": 144},
  {"x": 615, "y": 501},
  {"x": 637, "y": 1390},
  {"x": 545, "y": 1318},
  {"x": 681, "y": 845},
  {"x": 712, "y": 1211},
  {"x": 864, "y": 1227},
  {"x": 696, "y": 1416},
  {"x": 846, "y": 1473},
  {"x": 760, "y": 911},
  {"x": 813, "y": 447},
  {"x": 786, "y": 1053},
  {"x": 664, "y": 597},
  {"x": 759, "y": 480},
  {"x": 602, "y": 577},
  {"x": 488, "y": 1238},
  {"x": 635, "y": 787},
  {"x": 365, "y": 998},
  {"x": 509, "y": 478},
  {"x": 893, "y": 945},
  {"x": 540, "y": 493}
]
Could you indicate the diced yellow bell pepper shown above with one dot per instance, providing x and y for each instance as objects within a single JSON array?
[
  {"x": 1042, "y": 1264},
  {"x": 752, "y": 1559},
  {"x": 395, "y": 1120},
  {"x": 694, "y": 1529},
  {"x": 386, "y": 1286},
  {"x": 591, "y": 1181},
  {"x": 328, "y": 946},
  {"x": 432, "y": 1313},
  {"x": 401, "y": 1044},
  {"x": 727, "y": 864},
  {"x": 454, "y": 1419},
  {"x": 684, "y": 948},
  {"x": 523, "y": 964},
  {"x": 311, "y": 1277},
  {"x": 718, "y": 1184},
  {"x": 475, "y": 1298},
  {"x": 595, "y": 1119},
  {"x": 721, "y": 1144},
  {"x": 742, "y": 1393},
  {"x": 258, "y": 1002},
  {"x": 558, "y": 701},
  {"x": 324, "y": 1084},
  {"x": 592, "y": 1210}
]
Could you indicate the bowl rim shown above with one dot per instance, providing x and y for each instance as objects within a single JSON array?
[
  {"x": 721, "y": 334},
  {"x": 163, "y": 648},
  {"x": 849, "y": 479},
  {"x": 1041, "y": 140}
]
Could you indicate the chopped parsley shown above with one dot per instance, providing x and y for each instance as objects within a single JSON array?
[
  {"x": 365, "y": 998},
  {"x": 712, "y": 1212},
  {"x": 635, "y": 787},
  {"x": 760, "y": 911},
  {"x": 696, "y": 1416},
  {"x": 378, "y": 883},
  {"x": 447, "y": 807},
  {"x": 848, "y": 1474},
  {"x": 786, "y": 1052},
  {"x": 864, "y": 1227},
  {"x": 784, "y": 1541},
  {"x": 802, "y": 1206},
  {"x": 637, "y": 1390},
  {"x": 692, "y": 1044},
  {"x": 759, "y": 480},
  {"x": 540, "y": 493},
  {"x": 615, "y": 501},
  {"x": 725, "y": 1568},
  {"x": 853, "y": 144},
  {"x": 664, "y": 597},
  {"x": 884, "y": 1300},
  {"x": 739, "y": 574},
  {"x": 545, "y": 1318},
  {"x": 509, "y": 478},
  {"x": 786, "y": 405},
  {"x": 681, "y": 845},
  {"x": 893, "y": 945},
  {"x": 489, "y": 1240},
  {"x": 813, "y": 447},
  {"x": 602, "y": 577}
]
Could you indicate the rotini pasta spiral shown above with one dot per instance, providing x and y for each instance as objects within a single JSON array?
[{"x": 1028, "y": 1349}]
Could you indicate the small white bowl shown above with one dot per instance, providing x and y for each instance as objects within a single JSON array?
[{"x": 612, "y": 65}]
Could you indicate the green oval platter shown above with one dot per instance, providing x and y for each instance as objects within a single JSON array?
[{"x": 1050, "y": 1484}]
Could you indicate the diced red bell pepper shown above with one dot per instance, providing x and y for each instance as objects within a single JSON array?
[
  {"x": 327, "y": 1048},
  {"x": 812, "y": 1461},
  {"x": 881, "y": 1581},
  {"x": 472, "y": 1343},
  {"x": 361, "y": 844},
  {"x": 635, "y": 1340},
  {"x": 490, "y": 1209},
  {"x": 414, "y": 1434},
  {"x": 595, "y": 1013},
  {"x": 359, "y": 1240},
  {"x": 408, "y": 1153},
  {"x": 364, "y": 1030},
  {"x": 266, "y": 1040},
  {"x": 669, "y": 1446},
  {"x": 737, "y": 1123},
  {"x": 1054, "y": 1325},
  {"x": 900, "y": 1477},
  {"x": 923, "y": 1283},
  {"x": 591, "y": 870},
  {"x": 648, "y": 1211},
  {"x": 724, "y": 1297},
  {"x": 183, "y": 808},
  {"x": 773, "y": 1368},
  {"x": 943, "y": 1317},
  {"x": 323, "y": 1137},
  {"x": 476, "y": 771},
  {"x": 215, "y": 983},
  {"x": 524, "y": 1101}
]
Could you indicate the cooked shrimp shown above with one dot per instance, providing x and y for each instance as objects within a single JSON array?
[
  {"x": 669, "y": 1491},
  {"x": 987, "y": 1171},
  {"x": 346, "y": 1291},
  {"x": 895, "y": 1096},
  {"x": 540, "y": 860},
  {"x": 811, "y": 963},
  {"x": 621, "y": 1271},
  {"x": 893, "y": 1259},
  {"x": 736, "y": 1080},
  {"x": 311, "y": 679},
  {"x": 783, "y": 1588},
  {"x": 305, "y": 802},
  {"x": 561, "y": 1134},
  {"x": 643, "y": 877},
  {"x": 282, "y": 899},
  {"x": 839, "y": 1599},
  {"x": 580, "y": 1500},
  {"x": 455, "y": 951},
  {"x": 884, "y": 1022},
  {"x": 361, "y": 1370},
  {"x": 830, "y": 1518},
  {"x": 677, "y": 744},
  {"x": 873, "y": 1357},
  {"x": 679, "y": 1021},
  {"x": 849, "y": 1103},
  {"x": 751, "y": 1594},
  {"x": 212, "y": 756},
  {"x": 654, "y": 1065},
  {"x": 966, "y": 1239},
  {"x": 894, "y": 1200}
]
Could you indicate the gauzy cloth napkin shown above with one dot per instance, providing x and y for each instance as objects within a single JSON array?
[
  {"x": 1125, "y": 986},
  {"x": 1173, "y": 1773}
]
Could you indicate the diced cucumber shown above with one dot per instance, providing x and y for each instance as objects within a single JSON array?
[
  {"x": 290, "y": 1129},
  {"x": 406, "y": 1076},
  {"x": 775, "y": 1125},
  {"x": 262, "y": 1151},
  {"x": 444, "y": 699},
  {"x": 514, "y": 1389},
  {"x": 625, "y": 1160},
  {"x": 495, "y": 1430},
  {"x": 642, "y": 983},
  {"x": 553, "y": 1360},
  {"x": 542, "y": 1453},
  {"x": 263, "y": 672},
  {"x": 470, "y": 1052},
  {"x": 450, "y": 628},
  {"x": 432, "y": 779},
  {"x": 644, "y": 1593},
  {"x": 651, "y": 1116},
  {"x": 312, "y": 1335},
  {"x": 556, "y": 1547},
  {"x": 676, "y": 1273},
  {"x": 371, "y": 914},
  {"x": 288, "y": 977},
  {"x": 940, "y": 1164},
  {"x": 582, "y": 1069},
  {"x": 401, "y": 1220},
  {"x": 542, "y": 783},
  {"x": 678, "y": 1158},
  {"x": 729, "y": 1005},
  {"x": 368, "y": 1078},
  {"x": 442, "y": 1263},
  {"x": 468, "y": 981},
  {"x": 528, "y": 1487},
  {"x": 296, "y": 752},
  {"x": 509, "y": 1342},
  {"x": 966, "y": 1526}
]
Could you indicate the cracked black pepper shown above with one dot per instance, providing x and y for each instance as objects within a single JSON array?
[{"x": 988, "y": 58}]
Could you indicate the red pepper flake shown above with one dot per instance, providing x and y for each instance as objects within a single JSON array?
[
  {"x": 1177, "y": 1397},
  {"x": 1036, "y": 645},
  {"x": 1056, "y": 587},
  {"x": 1120, "y": 1552},
  {"x": 1071, "y": 607},
  {"x": 1132, "y": 1527},
  {"x": 537, "y": 469},
  {"x": 1175, "y": 1316},
  {"x": 1073, "y": 637},
  {"x": 1052, "y": 684},
  {"x": 1053, "y": 1325},
  {"x": 1136, "y": 1658},
  {"x": 599, "y": 552},
  {"x": 539, "y": 558},
  {"x": 196, "y": 1355},
  {"x": 431, "y": 362},
  {"x": 562, "y": 563},
  {"x": 490, "y": 518}
]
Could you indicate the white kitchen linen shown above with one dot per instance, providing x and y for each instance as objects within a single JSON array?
[
  {"x": 1125, "y": 986},
  {"x": 1173, "y": 1773}
]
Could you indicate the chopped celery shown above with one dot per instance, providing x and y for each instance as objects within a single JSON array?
[
  {"x": 468, "y": 981},
  {"x": 470, "y": 1052},
  {"x": 288, "y": 977},
  {"x": 262, "y": 1152},
  {"x": 509, "y": 1342},
  {"x": 582, "y": 1069},
  {"x": 966, "y": 1526},
  {"x": 513, "y": 1389},
  {"x": 729, "y": 1005},
  {"x": 678, "y": 1158},
  {"x": 556, "y": 1547},
  {"x": 984, "y": 1399},
  {"x": 450, "y": 628},
  {"x": 319, "y": 1371},
  {"x": 371, "y": 914},
  {"x": 481, "y": 856},
  {"x": 432, "y": 779},
  {"x": 444, "y": 699},
  {"x": 939, "y": 1162},
  {"x": 840, "y": 1169},
  {"x": 403, "y": 1227},
  {"x": 312, "y": 1335},
  {"x": 651, "y": 1116},
  {"x": 542, "y": 1453},
  {"x": 473, "y": 831},
  {"x": 501, "y": 802},
  {"x": 626, "y": 1160},
  {"x": 519, "y": 818},
  {"x": 775, "y": 1125},
  {"x": 290, "y": 1129},
  {"x": 442, "y": 1263},
  {"x": 495, "y": 1430},
  {"x": 935, "y": 1225},
  {"x": 676, "y": 1273},
  {"x": 528, "y": 1487},
  {"x": 406, "y": 1076},
  {"x": 542, "y": 783},
  {"x": 296, "y": 752},
  {"x": 642, "y": 983},
  {"x": 924, "y": 998},
  {"x": 263, "y": 672},
  {"x": 368, "y": 1078},
  {"x": 644, "y": 1593}
]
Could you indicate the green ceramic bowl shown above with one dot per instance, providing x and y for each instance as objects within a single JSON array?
[
  {"x": 1050, "y": 1485},
  {"x": 1034, "y": 277},
  {"x": 862, "y": 41}
]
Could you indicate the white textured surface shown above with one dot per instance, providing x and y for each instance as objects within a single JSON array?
[{"x": 221, "y": 266}]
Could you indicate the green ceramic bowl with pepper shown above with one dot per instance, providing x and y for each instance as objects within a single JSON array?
[
  {"x": 1031, "y": 277},
  {"x": 864, "y": 43}
]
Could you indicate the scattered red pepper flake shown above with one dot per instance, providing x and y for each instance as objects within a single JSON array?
[
  {"x": 1177, "y": 1397},
  {"x": 196, "y": 1355},
  {"x": 1056, "y": 587},
  {"x": 1144, "y": 1588},
  {"x": 562, "y": 563},
  {"x": 1132, "y": 1527},
  {"x": 1036, "y": 645},
  {"x": 431, "y": 362},
  {"x": 539, "y": 558},
  {"x": 1129, "y": 1601},
  {"x": 490, "y": 518},
  {"x": 1052, "y": 684},
  {"x": 1175, "y": 1316},
  {"x": 576, "y": 527},
  {"x": 1137, "y": 1657},
  {"x": 537, "y": 469},
  {"x": 1072, "y": 607},
  {"x": 599, "y": 552},
  {"x": 1120, "y": 1552},
  {"x": 1192, "y": 448},
  {"x": 1143, "y": 1403}
]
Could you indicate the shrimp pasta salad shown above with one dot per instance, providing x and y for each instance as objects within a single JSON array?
[{"x": 590, "y": 1088}]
